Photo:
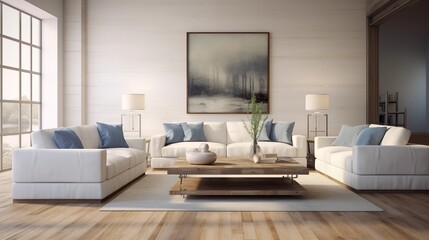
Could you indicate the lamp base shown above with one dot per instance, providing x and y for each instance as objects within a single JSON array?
[
  {"x": 131, "y": 124},
  {"x": 318, "y": 126}
]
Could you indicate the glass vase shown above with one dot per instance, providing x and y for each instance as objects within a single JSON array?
[{"x": 255, "y": 152}]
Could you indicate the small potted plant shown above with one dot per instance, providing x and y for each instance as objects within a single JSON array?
[{"x": 256, "y": 120}]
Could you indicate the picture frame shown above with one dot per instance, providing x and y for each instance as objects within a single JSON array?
[{"x": 224, "y": 70}]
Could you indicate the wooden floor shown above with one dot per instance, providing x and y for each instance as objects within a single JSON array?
[{"x": 406, "y": 216}]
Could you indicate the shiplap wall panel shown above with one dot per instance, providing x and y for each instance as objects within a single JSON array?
[
  {"x": 134, "y": 46},
  {"x": 74, "y": 64}
]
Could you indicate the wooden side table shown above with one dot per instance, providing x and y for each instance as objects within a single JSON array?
[
  {"x": 310, "y": 156},
  {"x": 148, "y": 157}
]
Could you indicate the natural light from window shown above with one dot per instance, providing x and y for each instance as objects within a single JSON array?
[{"x": 20, "y": 78}]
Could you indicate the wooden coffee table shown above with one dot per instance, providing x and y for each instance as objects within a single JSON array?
[{"x": 249, "y": 178}]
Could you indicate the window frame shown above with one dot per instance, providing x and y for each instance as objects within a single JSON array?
[{"x": 20, "y": 71}]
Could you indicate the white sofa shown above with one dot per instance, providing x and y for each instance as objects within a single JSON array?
[
  {"x": 225, "y": 139},
  {"x": 46, "y": 172},
  {"x": 392, "y": 165}
]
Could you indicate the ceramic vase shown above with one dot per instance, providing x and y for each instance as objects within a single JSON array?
[{"x": 255, "y": 152}]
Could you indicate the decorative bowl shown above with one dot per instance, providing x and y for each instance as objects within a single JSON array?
[{"x": 201, "y": 157}]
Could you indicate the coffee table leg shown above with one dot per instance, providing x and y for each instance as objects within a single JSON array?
[
  {"x": 290, "y": 177},
  {"x": 181, "y": 177}
]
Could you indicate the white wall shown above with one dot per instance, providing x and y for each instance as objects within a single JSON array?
[
  {"x": 403, "y": 44},
  {"x": 136, "y": 46},
  {"x": 74, "y": 62}
]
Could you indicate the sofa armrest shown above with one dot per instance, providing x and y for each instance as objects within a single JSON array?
[
  {"x": 157, "y": 142},
  {"x": 137, "y": 143},
  {"x": 59, "y": 165},
  {"x": 300, "y": 142},
  {"x": 323, "y": 141},
  {"x": 390, "y": 159}
]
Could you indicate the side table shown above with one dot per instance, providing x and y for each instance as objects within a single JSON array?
[
  {"x": 310, "y": 156},
  {"x": 148, "y": 157}
]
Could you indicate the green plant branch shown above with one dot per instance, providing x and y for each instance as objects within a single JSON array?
[{"x": 256, "y": 118}]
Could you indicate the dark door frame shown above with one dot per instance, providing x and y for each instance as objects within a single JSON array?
[{"x": 374, "y": 20}]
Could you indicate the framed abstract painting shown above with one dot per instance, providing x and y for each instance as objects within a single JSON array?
[{"x": 225, "y": 69}]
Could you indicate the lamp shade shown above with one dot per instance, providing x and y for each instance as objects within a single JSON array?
[
  {"x": 133, "y": 102},
  {"x": 316, "y": 102}
]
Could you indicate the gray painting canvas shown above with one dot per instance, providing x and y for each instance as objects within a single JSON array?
[{"x": 225, "y": 70}]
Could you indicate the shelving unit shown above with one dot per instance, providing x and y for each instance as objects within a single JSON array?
[{"x": 389, "y": 113}]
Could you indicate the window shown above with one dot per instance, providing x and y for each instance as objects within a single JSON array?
[{"x": 20, "y": 80}]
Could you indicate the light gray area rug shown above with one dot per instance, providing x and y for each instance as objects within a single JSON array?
[{"x": 151, "y": 193}]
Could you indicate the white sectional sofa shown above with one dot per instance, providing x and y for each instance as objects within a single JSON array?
[
  {"x": 225, "y": 139},
  {"x": 46, "y": 172},
  {"x": 392, "y": 165}
]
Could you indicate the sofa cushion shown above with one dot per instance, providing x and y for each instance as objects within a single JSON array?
[
  {"x": 342, "y": 160},
  {"x": 135, "y": 156},
  {"x": 266, "y": 130},
  {"x": 242, "y": 149},
  {"x": 215, "y": 132},
  {"x": 371, "y": 136},
  {"x": 282, "y": 132},
  {"x": 66, "y": 138},
  {"x": 111, "y": 136},
  {"x": 173, "y": 133},
  {"x": 180, "y": 149},
  {"x": 193, "y": 132},
  {"x": 116, "y": 165},
  {"x": 236, "y": 132},
  {"x": 394, "y": 135},
  {"x": 389, "y": 160},
  {"x": 324, "y": 153},
  {"x": 281, "y": 149},
  {"x": 88, "y": 135},
  {"x": 348, "y": 134},
  {"x": 43, "y": 139}
]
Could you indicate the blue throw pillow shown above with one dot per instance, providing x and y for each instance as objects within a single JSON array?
[
  {"x": 371, "y": 136},
  {"x": 66, "y": 138},
  {"x": 347, "y": 136},
  {"x": 193, "y": 132},
  {"x": 173, "y": 133},
  {"x": 266, "y": 130},
  {"x": 111, "y": 136},
  {"x": 282, "y": 132}
]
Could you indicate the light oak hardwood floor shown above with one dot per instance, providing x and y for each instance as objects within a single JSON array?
[{"x": 406, "y": 216}]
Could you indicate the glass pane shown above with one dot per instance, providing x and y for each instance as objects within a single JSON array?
[
  {"x": 10, "y": 117},
  {"x": 10, "y": 53},
  {"x": 25, "y": 57},
  {"x": 36, "y": 88},
  {"x": 25, "y": 87},
  {"x": 36, "y": 60},
  {"x": 25, "y": 117},
  {"x": 25, "y": 140},
  {"x": 36, "y": 31},
  {"x": 36, "y": 117},
  {"x": 25, "y": 27},
  {"x": 10, "y": 22},
  {"x": 10, "y": 84},
  {"x": 10, "y": 143}
]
